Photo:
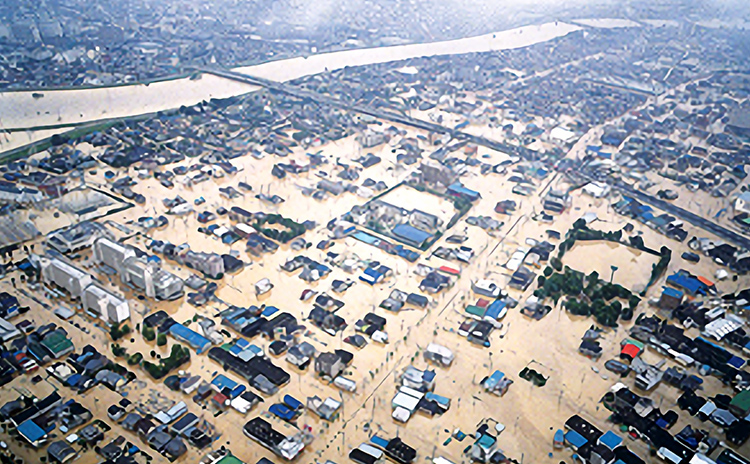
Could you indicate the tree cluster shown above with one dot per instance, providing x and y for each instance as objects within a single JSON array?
[
  {"x": 178, "y": 356},
  {"x": 148, "y": 333},
  {"x": 117, "y": 332},
  {"x": 587, "y": 295},
  {"x": 293, "y": 228}
]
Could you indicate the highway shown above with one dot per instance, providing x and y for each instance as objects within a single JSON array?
[{"x": 374, "y": 112}]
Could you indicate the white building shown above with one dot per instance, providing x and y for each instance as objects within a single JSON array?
[
  {"x": 153, "y": 280},
  {"x": 597, "y": 189},
  {"x": 8, "y": 331},
  {"x": 112, "y": 254},
  {"x": 561, "y": 134},
  {"x": 65, "y": 276},
  {"x": 100, "y": 303},
  {"x": 76, "y": 237},
  {"x": 742, "y": 203}
]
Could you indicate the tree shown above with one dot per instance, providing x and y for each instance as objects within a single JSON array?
[
  {"x": 592, "y": 280},
  {"x": 633, "y": 302},
  {"x": 119, "y": 351},
  {"x": 609, "y": 291},
  {"x": 636, "y": 241},
  {"x": 556, "y": 264},
  {"x": 148, "y": 333},
  {"x": 161, "y": 339},
  {"x": 540, "y": 280},
  {"x": 117, "y": 332},
  {"x": 135, "y": 359},
  {"x": 548, "y": 271}
]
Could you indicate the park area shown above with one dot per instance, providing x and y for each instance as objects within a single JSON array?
[{"x": 633, "y": 265}]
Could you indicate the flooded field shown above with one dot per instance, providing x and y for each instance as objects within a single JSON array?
[{"x": 600, "y": 256}]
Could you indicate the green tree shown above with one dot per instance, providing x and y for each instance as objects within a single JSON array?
[
  {"x": 161, "y": 339},
  {"x": 119, "y": 351},
  {"x": 148, "y": 333},
  {"x": 636, "y": 241},
  {"x": 556, "y": 264}
]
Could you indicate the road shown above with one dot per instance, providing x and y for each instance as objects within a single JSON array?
[{"x": 685, "y": 215}]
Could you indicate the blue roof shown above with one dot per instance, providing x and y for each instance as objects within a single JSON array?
[
  {"x": 378, "y": 441},
  {"x": 459, "y": 189},
  {"x": 575, "y": 439},
  {"x": 411, "y": 234},
  {"x": 610, "y": 440},
  {"x": 31, "y": 431},
  {"x": 493, "y": 380},
  {"x": 689, "y": 284},
  {"x": 646, "y": 216},
  {"x": 364, "y": 237},
  {"x": 191, "y": 337},
  {"x": 494, "y": 309},
  {"x": 736, "y": 362},
  {"x": 292, "y": 402},
  {"x": 221, "y": 382},
  {"x": 372, "y": 273},
  {"x": 673, "y": 292},
  {"x": 270, "y": 311}
]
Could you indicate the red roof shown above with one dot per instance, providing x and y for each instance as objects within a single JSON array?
[
  {"x": 630, "y": 351},
  {"x": 449, "y": 270},
  {"x": 482, "y": 303}
]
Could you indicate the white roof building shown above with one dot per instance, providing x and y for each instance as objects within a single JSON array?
[
  {"x": 742, "y": 203},
  {"x": 597, "y": 189},
  {"x": 65, "y": 276},
  {"x": 112, "y": 254},
  {"x": 103, "y": 304},
  {"x": 562, "y": 134}
]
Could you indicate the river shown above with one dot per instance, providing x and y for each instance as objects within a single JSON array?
[{"x": 67, "y": 107}]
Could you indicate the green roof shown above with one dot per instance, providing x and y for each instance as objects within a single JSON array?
[
  {"x": 741, "y": 400},
  {"x": 57, "y": 343},
  {"x": 229, "y": 459},
  {"x": 475, "y": 310}
]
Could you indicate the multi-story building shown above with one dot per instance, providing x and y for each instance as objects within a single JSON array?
[
  {"x": 103, "y": 304},
  {"x": 112, "y": 254},
  {"x": 153, "y": 280},
  {"x": 137, "y": 270},
  {"x": 77, "y": 237},
  {"x": 65, "y": 276}
]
